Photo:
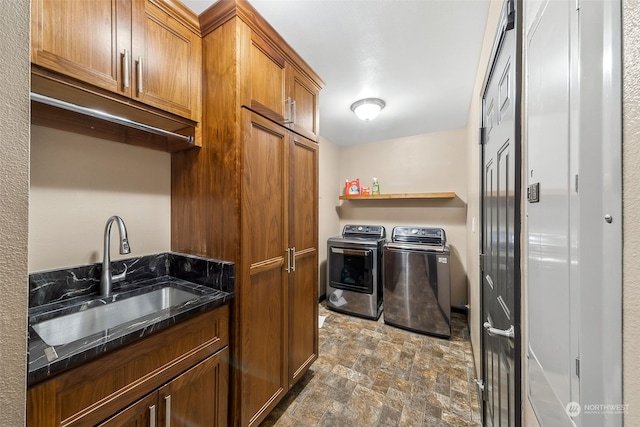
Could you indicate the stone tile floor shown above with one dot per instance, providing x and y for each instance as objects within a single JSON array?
[{"x": 371, "y": 374}]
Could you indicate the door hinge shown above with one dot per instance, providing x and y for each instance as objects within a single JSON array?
[
  {"x": 482, "y": 129},
  {"x": 576, "y": 183},
  {"x": 578, "y": 367},
  {"x": 482, "y": 261}
]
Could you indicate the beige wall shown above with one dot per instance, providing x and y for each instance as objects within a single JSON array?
[
  {"x": 329, "y": 222},
  {"x": 419, "y": 164},
  {"x": 14, "y": 206},
  {"x": 631, "y": 210},
  {"x": 77, "y": 182}
]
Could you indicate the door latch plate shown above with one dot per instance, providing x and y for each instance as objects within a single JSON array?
[{"x": 533, "y": 193}]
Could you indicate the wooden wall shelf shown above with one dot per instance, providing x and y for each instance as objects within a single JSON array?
[{"x": 405, "y": 196}]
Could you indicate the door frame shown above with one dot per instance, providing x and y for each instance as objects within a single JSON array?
[{"x": 510, "y": 19}]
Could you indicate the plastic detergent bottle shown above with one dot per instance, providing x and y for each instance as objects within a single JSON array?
[{"x": 375, "y": 188}]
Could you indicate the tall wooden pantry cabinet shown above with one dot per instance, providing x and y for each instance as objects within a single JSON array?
[{"x": 250, "y": 195}]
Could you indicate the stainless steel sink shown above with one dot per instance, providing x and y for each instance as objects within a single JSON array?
[{"x": 72, "y": 327}]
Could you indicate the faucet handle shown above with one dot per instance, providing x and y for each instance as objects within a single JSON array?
[{"x": 121, "y": 276}]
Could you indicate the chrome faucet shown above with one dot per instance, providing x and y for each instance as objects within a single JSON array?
[{"x": 107, "y": 279}]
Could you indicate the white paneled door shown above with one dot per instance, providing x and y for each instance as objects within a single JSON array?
[{"x": 573, "y": 226}]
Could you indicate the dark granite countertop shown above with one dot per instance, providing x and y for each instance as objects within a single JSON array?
[{"x": 62, "y": 292}]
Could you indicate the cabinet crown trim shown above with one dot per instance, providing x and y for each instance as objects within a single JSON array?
[
  {"x": 180, "y": 13},
  {"x": 223, "y": 11}
]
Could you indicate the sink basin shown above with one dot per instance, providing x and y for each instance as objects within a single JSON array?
[{"x": 72, "y": 327}]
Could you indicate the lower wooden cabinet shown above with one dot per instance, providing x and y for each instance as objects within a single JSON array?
[
  {"x": 176, "y": 377},
  {"x": 196, "y": 398}
]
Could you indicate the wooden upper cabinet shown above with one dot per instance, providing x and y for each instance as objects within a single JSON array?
[
  {"x": 304, "y": 94},
  {"x": 268, "y": 81},
  {"x": 131, "y": 47},
  {"x": 82, "y": 39},
  {"x": 280, "y": 92},
  {"x": 166, "y": 63}
]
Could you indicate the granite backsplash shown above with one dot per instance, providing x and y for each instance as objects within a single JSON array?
[{"x": 76, "y": 282}]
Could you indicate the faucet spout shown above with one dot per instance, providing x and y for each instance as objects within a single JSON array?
[{"x": 106, "y": 280}]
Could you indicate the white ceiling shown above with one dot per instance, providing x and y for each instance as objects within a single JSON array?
[{"x": 419, "y": 56}]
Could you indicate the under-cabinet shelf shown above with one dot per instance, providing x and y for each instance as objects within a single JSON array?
[{"x": 439, "y": 195}]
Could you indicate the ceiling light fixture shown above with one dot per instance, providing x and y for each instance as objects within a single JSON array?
[{"x": 368, "y": 108}]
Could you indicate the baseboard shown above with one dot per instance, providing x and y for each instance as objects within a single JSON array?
[{"x": 460, "y": 310}]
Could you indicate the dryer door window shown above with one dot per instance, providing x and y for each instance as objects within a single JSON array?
[{"x": 351, "y": 269}]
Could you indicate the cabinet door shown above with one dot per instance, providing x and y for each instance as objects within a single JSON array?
[
  {"x": 198, "y": 397},
  {"x": 304, "y": 110},
  {"x": 303, "y": 279},
  {"x": 268, "y": 81},
  {"x": 262, "y": 295},
  {"x": 166, "y": 65},
  {"x": 82, "y": 39},
  {"x": 140, "y": 414}
]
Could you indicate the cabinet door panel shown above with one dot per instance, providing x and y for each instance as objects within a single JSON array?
[
  {"x": 136, "y": 415},
  {"x": 303, "y": 188},
  {"x": 263, "y": 195},
  {"x": 303, "y": 281},
  {"x": 82, "y": 39},
  {"x": 264, "y": 378},
  {"x": 196, "y": 398},
  {"x": 305, "y": 111},
  {"x": 262, "y": 296},
  {"x": 267, "y": 81},
  {"x": 166, "y": 63},
  {"x": 303, "y": 314}
]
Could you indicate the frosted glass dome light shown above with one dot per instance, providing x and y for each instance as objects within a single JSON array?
[{"x": 368, "y": 108}]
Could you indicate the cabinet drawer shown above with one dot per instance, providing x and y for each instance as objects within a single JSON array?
[{"x": 92, "y": 392}]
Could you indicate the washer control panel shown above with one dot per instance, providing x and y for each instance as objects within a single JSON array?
[
  {"x": 372, "y": 231},
  {"x": 430, "y": 235}
]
